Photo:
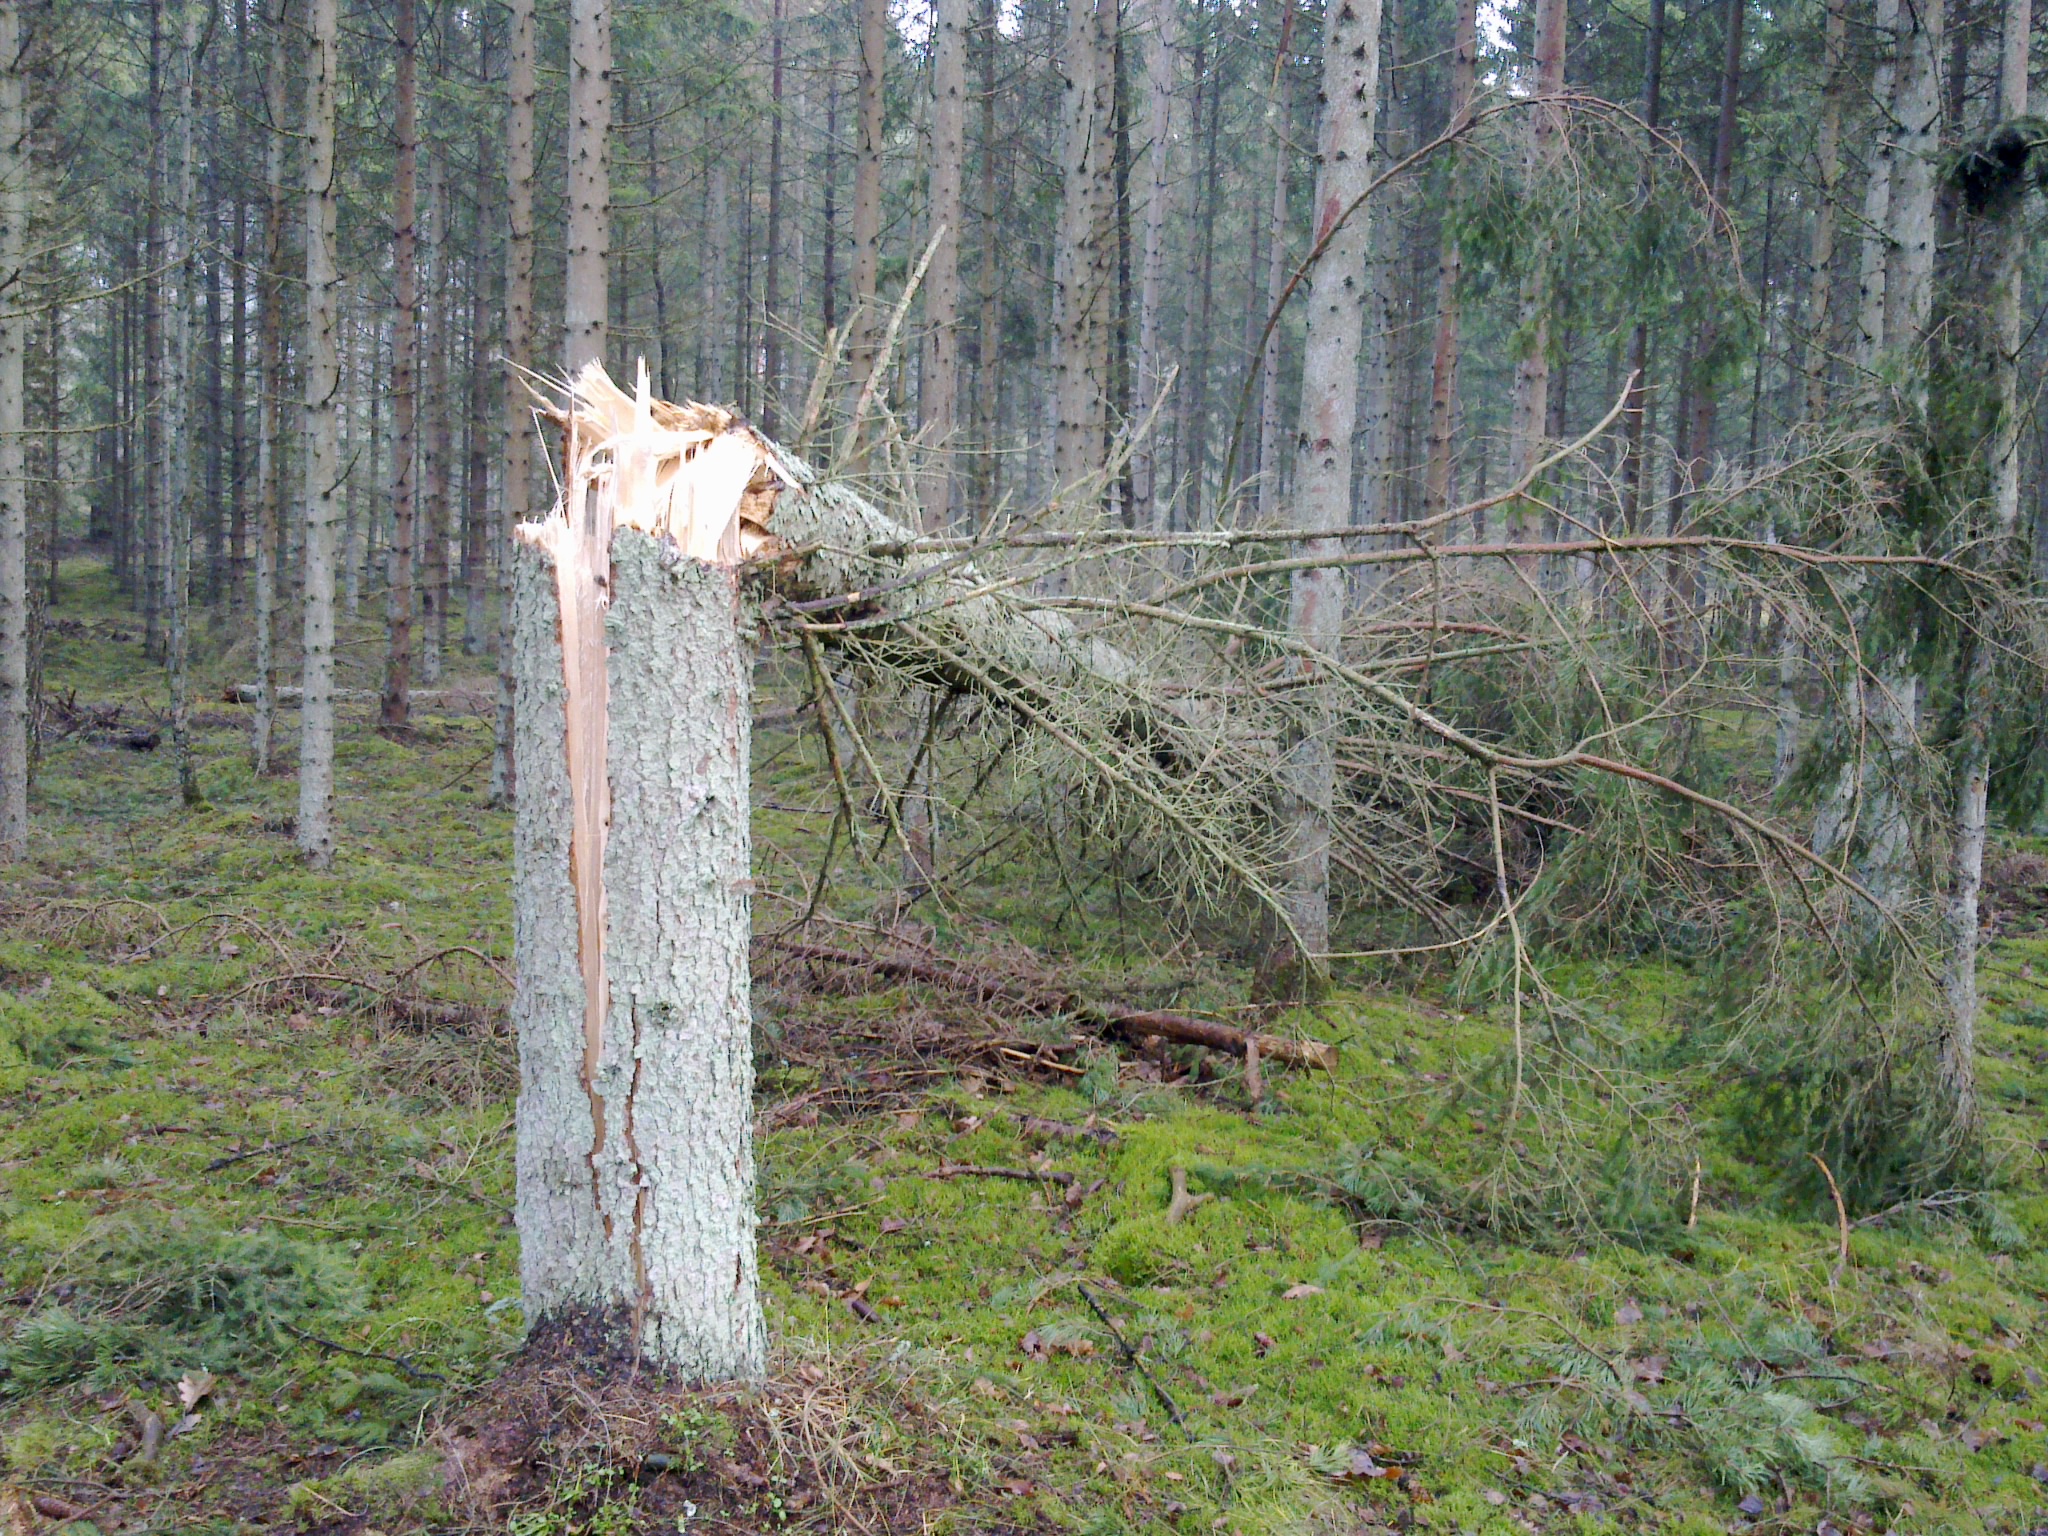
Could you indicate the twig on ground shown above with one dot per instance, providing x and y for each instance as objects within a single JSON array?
[
  {"x": 1131, "y": 1355},
  {"x": 401, "y": 1361}
]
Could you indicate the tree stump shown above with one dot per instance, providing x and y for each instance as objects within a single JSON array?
[{"x": 631, "y": 925}]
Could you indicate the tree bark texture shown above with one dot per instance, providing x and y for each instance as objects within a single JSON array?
[
  {"x": 1159, "y": 56},
  {"x": 941, "y": 393},
  {"x": 1450, "y": 269},
  {"x": 585, "y": 289},
  {"x": 867, "y": 197},
  {"x": 1820, "y": 319},
  {"x": 270, "y": 410},
  {"x": 1083, "y": 250},
  {"x": 322, "y": 459},
  {"x": 395, "y": 712}
]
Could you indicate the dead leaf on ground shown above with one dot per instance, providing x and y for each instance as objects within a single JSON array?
[
  {"x": 194, "y": 1387},
  {"x": 1300, "y": 1292},
  {"x": 1628, "y": 1313}
]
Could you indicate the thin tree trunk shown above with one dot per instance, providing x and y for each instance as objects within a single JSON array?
[
  {"x": 1703, "y": 403},
  {"x": 14, "y": 600},
  {"x": 438, "y": 465},
  {"x": 1329, "y": 410},
  {"x": 1195, "y": 459},
  {"x": 940, "y": 396},
  {"x": 180, "y": 269},
  {"x": 1820, "y": 320},
  {"x": 1081, "y": 250},
  {"x": 867, "y": 196},
  {"x": 238, "y": 415},
  {"x": 716, "y": 264},
  {"x": 476, "y": 485},
  {"x": 270, "y": 414},
  {"x": 1532, "y": 369},
  {"x": 394, "y": 712},
  {"x": 519, "y": 97},
  {"x": 1280, "y": 128},
  {"x": 988, "y": 335},
  {"x": 1450, "y": 267},
  {"x": 585, "y": 288},
  {"x": 322, "y": 466},
  {"x": 771, "y": 280},
  {"x": 1956, "y": 1063},
  {"x": 1877, "y": 193},
  {"x": 1159, "y": 55},
  {"x": 155, "y": 514},
  {"x": 348, "y": 552}
]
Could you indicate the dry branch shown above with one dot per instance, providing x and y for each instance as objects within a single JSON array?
[{"x": 1136, "y": 1024}]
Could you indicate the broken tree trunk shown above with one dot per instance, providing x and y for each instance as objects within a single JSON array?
[{"x": 630, "y": 929}]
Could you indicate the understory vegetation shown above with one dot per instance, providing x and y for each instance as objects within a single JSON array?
[{"x": 260, "y": 1271}]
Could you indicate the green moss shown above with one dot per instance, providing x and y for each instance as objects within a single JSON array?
[{"x": 408, "y": 1487}]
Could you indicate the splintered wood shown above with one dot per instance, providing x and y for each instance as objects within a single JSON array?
[{"x": 691, "y": 474}]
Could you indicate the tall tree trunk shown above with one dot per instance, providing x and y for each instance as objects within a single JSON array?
[
  {"x": 630, "y": 931},
  {"x": 180, "y": 269},
  {"x": 1280, "y": 127},
  {"x": 867, "y": 196},
  {"x": 519, "y": 96},
  {"x": 1877, "y": 192},
  {"x": 322, "y": 464},
  {"x": 1703, "y": 402},
  {"x": 585, "y": 288},
  {"x": 1917, "y": 110},
  {"x": 270, "y": 411},
  {"x": 1159, "y": 55},
  {"x": 988, "y": 334},
  {"x": 438, "y": 460},
  {"x": 14, "y": 599},
  {"x": 1450, "y": 269},
  {"x": 716, "y": 265},
  {"x": 1634, "y": 470},
  {"x": 771, "y": 277},
  {"x": 238, "y": 414},
  {"x": 395, "y": 709},
  {"x": 1820, "y": 319},
  {"x": 476, "y": 479},
  {"x": 1531, "y": 409},
  {"x": 940, "y": 397},
  {"x": 1082, "y": 254},
  {"x": 1957, "y": 1057},
  {"x": 1329, "y": 412},
  {"x": 155, "y": 514}
]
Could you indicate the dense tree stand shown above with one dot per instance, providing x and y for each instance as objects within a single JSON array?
[{"x": 630, "y": 927}]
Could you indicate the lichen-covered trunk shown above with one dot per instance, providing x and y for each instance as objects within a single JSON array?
[
  {"x": 1329, "y": 414},
  {"x": 635, "y": 1152},
  {"x": 270, "y": 394}
]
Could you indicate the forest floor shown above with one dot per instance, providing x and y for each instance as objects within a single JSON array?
[{"x": 258, "y": 1270}]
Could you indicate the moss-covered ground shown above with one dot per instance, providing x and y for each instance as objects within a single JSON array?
[{"x": 258, "y": 1271}]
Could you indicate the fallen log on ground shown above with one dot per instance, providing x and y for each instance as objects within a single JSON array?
[{"x": 1038, "y": 998}]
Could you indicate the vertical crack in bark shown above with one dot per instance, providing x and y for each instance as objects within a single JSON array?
[{"x": 643, "y": 1292}]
